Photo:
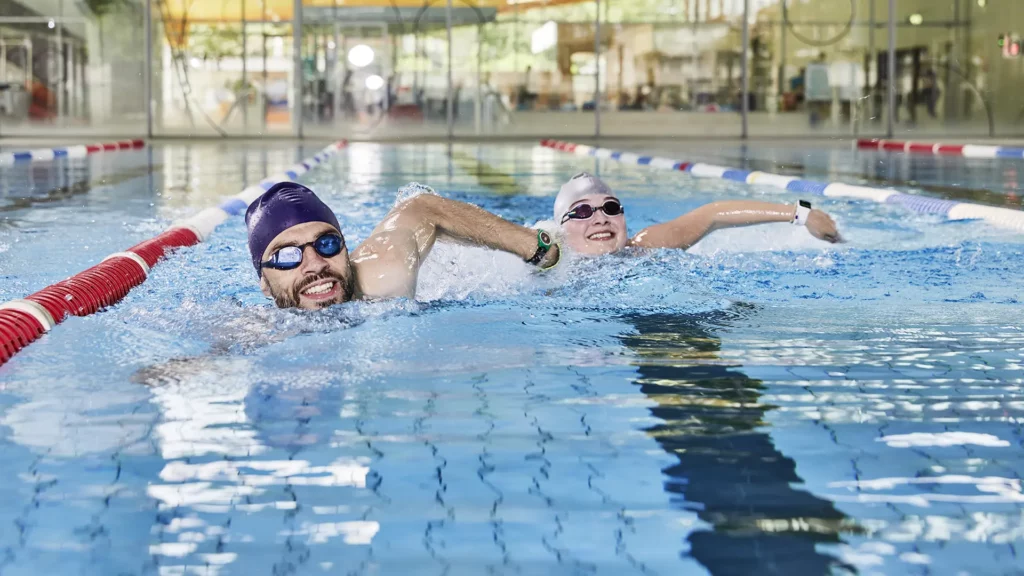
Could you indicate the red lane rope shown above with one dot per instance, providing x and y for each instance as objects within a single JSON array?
[
  {"x": 109, "y": 281},
  {"x": 970, "y": 151},
  {"x": 88, "y": 291},
  {"x": 24, "y": 321},
  {"x": 17, "y": 330}
]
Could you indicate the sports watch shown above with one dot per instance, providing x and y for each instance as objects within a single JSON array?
[
  {"x": 803, "y": 210},
  {"x": 544, "y": 244}
]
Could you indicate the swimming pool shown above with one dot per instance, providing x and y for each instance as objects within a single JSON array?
[{"x": 762, "y": 404}]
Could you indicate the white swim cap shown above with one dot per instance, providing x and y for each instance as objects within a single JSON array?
[{"x": 580, "y": 185}]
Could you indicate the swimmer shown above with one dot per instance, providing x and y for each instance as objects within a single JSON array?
[
  {"x": 593, "y": 221},
  {"x": 302, "y": 261}
]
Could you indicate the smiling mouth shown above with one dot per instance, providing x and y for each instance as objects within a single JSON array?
[
  {"x": 321, "y": 290},
  {"x": 603, "y": 236}
]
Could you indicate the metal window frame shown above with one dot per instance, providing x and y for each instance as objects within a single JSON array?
[{"x": 297, "y": 119}]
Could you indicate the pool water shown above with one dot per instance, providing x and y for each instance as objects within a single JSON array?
[{"x": 761, "y": 404}]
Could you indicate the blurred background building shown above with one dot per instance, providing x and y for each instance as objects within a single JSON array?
[{"x": 397, "y": 69}]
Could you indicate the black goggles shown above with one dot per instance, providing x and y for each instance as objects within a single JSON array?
[
  {"x": 289, "y": 257},
  {"x": 586, "y": 211}
]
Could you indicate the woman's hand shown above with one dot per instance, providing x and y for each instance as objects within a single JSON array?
[{"x": 822, "y": 227}]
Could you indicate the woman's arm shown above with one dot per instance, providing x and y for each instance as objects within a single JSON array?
[{"x": 690, "y": 228}]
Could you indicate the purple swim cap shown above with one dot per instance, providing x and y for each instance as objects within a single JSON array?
[{"x": 286, "y": 204}]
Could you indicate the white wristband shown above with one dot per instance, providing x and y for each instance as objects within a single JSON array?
[{"x": 803, "y": 210}]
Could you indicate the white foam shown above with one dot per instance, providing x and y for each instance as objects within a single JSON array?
[
  {"x": 763, "y": 238},
  {"x": 412, "y": 190},
  {"x": 455, "y": 272},
  {"x": 921, "y": 439}
]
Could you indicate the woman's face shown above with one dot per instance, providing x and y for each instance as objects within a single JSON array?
[{"x": 599, "y": 234}]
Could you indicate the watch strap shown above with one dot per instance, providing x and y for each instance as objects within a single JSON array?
[
  {"x": 803, "y": 210},
  {"x": 544, "y": 244}
]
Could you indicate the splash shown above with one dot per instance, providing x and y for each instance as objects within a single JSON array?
[
  {"x": 412, "y": 190},
  {"x": 456, "y": 272}
]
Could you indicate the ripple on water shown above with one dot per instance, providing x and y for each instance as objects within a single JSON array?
[{"x": 760, "y": 399}]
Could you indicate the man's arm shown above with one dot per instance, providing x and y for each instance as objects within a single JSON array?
[
  {"x": 388, "y": 262},
  {"x": 690, "y": 228}
]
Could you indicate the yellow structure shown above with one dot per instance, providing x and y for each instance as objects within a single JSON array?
[{"x": 282, "y": 10}]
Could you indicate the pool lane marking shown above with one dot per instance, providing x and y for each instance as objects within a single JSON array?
[
  {"x": 952, "y": 209},
  {"x": 487, "y": 176},
  {"x": 965, "y": 150},
  {"x": 79, "y": 151},
  {"x": 948, "y": 192},
  {"x": 134, "y": 258},
  {"x": 41, "y": 314},
  {"x": 24, "y": 320}
]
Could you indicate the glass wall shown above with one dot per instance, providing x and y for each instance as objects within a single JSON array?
[
  {"x": 71, "y": 68},
  {"x": 818, "y": 68},
  {"x": 674, "y": 68},
  {"x": 224, "y": 69},
  {"x": 379, "y": 71},
  {"x": 533, "y": 73},
  {"x": 959, "y": 68},
  {"x": 429, "y": 69}
]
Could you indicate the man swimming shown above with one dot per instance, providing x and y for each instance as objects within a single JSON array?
[
  {"x": 593, "y": 220},
  {"x": 300, "y": 255}
]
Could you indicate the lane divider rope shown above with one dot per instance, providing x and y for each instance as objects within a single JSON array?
[
  {"x": 78, "y": 151},
  {"x": 32, "y": 309},
  {"x": 24, "y": 320},
  {"x": 954, "y": 210},
  {"x": 965, "y": 150},
  {"x": 133, "y": 257}
]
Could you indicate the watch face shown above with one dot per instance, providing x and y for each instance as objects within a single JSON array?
[
  {"x": 805, "y": 203},
  {"x": 545, "y": 239}
]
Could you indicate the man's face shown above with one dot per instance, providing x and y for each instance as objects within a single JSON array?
[
  {"x": 317, "y": 282},
  {"x": 599, "y": 234}
]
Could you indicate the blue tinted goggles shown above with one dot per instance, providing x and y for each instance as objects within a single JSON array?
[{"x": 290, "y": 257}]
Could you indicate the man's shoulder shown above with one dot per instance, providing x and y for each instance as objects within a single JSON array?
[{"x": 384, "y": 270}]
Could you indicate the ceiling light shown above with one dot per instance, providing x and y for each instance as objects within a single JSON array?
[{"x": 360, "y": 56}]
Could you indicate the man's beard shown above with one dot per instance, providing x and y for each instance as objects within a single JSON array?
[{"x": 290, "y": 299}]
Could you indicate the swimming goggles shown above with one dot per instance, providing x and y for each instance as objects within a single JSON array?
[
  {"x": 586, "y": 211},
  {"x": 289, "y": 257}
]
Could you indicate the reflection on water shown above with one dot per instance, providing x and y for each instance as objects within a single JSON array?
[
  {"x": 729, "y": 471},
  {"x": 586, "y": 421},
  {"x": 219, "y": 475}
]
